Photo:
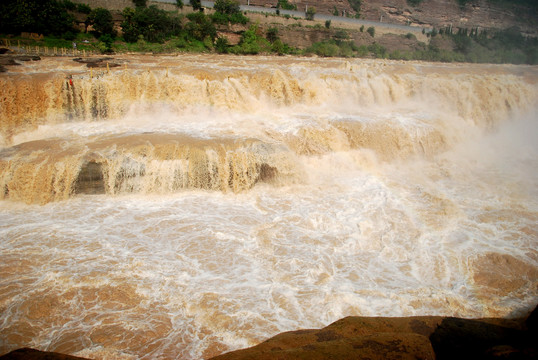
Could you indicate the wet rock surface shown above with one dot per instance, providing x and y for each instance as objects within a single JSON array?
[
  {"x": 32, "y": 354},
  {"x": 421, "y": 337},
  {"x": 425, "y": 337},
  {"x": 97, "y": 62},
  {"x": 90, "y": 179},
  {"x": 7, "y": 59}
]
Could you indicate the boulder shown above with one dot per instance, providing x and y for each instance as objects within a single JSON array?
[
  {"x": 32, "y": 354},
  {"x": 425, "y": 337}
]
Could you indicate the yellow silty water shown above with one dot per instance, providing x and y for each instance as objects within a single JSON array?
[{"x": 183, "y": 206}]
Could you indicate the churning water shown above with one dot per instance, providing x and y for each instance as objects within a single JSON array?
[{"x": 180, "y": 207}]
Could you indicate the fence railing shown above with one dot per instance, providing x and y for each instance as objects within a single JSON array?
[{"x": 44, "y": 50}]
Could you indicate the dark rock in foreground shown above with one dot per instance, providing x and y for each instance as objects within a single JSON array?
[
  {"x": 421, "y": 337},
  {"x": 31, "y": 354}
]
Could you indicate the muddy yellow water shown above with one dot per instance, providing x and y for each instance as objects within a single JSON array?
[{"x": 180, "y": 207}]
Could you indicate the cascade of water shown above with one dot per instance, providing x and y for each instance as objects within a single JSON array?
[{"x": 182, "y": 207}]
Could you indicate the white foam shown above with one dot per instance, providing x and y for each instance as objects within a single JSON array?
[{"x": 179, "y": 274}]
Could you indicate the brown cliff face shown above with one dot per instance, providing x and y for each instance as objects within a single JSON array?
[
  {"x": 430, "y": 13},
  {"x": 444, "y": 13},
  {"x": 484, "y": 14}
]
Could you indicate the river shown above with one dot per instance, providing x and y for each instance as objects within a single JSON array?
[{"x": 184, "y": 206}]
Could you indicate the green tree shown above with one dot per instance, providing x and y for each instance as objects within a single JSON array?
[
  {"x": 129, "y": 27},
  {"x": 101, "y": 20},
  {"x": 371, "y": 31},
  {"x": 200, "y": 27},
  {"x": 227, "y": 7},
  {"x": 252, "y": 42},
  {"x": 378, "y": 50},
  {"x": 284, "y": 4},
  {"x": 179, "y": 4},
  {"x": 327, "y": 24},
  {"x": 84, "y": 8},
  {"x": 154, "y": 24},
  {"x": 222, "y": 45},
  {"x": 355, "y": 5},
  {"x": 462, "y": 43},
  {"x": 68, "y": 5},
  {"x": 324, "y": 49},
  {"x": 310, "y": 13},
  {"x": 341, "y": 34},
  {"x": 140, "y": 3},
  {"x": 278, "y": 47},
  {"x": 105, "y": 43},
  {"x": 228, "y": 11},
  {"x": 238, "y": 18},
  {"x": 272, "y": 34},
  {"x": 39, "y": 16},
  {"x": 196, "y": 4}
]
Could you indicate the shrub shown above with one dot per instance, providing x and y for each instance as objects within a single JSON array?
[
  {"x": 362, "y": 51},
  {"x": 102, "y": 22},
  {"x": 69, "y": 5},
  {"x": 310, "y": 13},
  {"x": 139, "y": 3},
  {"x": 462, "y": 43},
  {"x": 69, "y": 35},
  {"x": 105, "y": 43},
  {"x": 324, "y": 49},
  {"x": 196, "y": 4},
  {"x": 200, "y": 26},
  {"x": 220, "y": 18},
  {"x": 44, "y": 17},
  {"x": 84, "y": 8},
  {"x": 279, "y": 47},
  {"x": 238, "y": 18},
  {"x": 327, "y": 24},
  {"x": 154, "y": 24},
  {"x": 346, "y": 49},
  {"x": 251, "y": 43},
  {"x": 341, "y": 35},
  {"x": 178, "y": 42},
  {"x": 227, "y": 6},
  {"x": 284, "y": 4},
  {"x": 377, "y": 50},
  {"x": 355, "y": 5},
  {"x": 272, "y": 34},
  {"x": 371, "y": 31},
  {"x": 221, "y": 45}
]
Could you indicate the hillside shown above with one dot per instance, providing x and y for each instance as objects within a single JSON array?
[
  {"x": 431, "y": 30},
  {"x": 484, "y": 14}
]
